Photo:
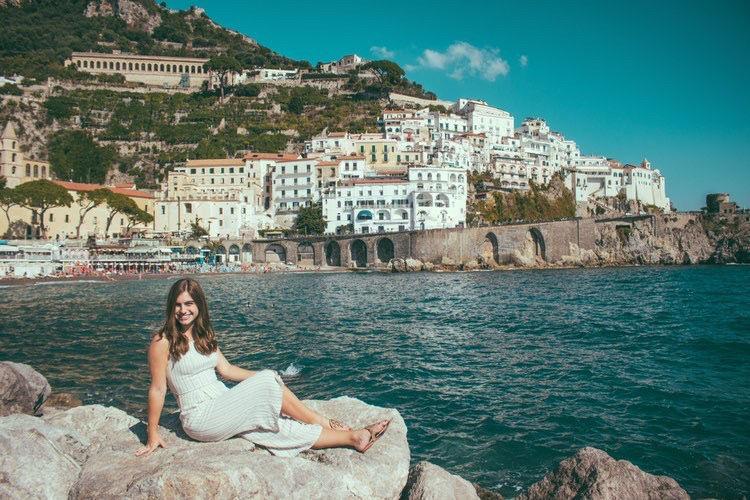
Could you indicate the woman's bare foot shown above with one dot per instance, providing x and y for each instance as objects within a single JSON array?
[{"x": 365, "y": 438}]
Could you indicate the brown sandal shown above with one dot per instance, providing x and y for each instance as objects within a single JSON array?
[{"x": 375, "y": 436}]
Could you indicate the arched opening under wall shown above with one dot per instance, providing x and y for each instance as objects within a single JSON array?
[
  {"x": 358, "y": 251},
  {"x": 275, "y": 253},
  {"x": 305, "y": 254},
  {"x": 489, "y": 249},
  {"x": 385, "y": 250},
  {"x": 534, "y": 246},
  {"x": 247, "y": 253},
  {"x": 333, "y": 253},
  {"x": 234, "y": 253},
  {"x": 221, "y": 254}
]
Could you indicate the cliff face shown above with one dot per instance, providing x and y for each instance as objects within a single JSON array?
[
  {"x": 677, "y": 242},
  {"x": 135, "y": 15},
  {"x": 731, "y": 240}
]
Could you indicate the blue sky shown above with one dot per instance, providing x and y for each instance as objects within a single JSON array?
[{"x": 664, "y": 80}]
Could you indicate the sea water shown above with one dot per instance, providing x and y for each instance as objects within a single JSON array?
[{"x": 498, "y": 375}]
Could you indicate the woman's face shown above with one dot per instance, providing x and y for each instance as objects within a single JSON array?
[{"x": 185, "y": 310}]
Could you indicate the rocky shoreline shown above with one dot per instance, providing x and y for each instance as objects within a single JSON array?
[{"x": 52, "y": 447}]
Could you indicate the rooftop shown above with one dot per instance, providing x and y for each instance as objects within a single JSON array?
[{"x": 84, "y": 187}]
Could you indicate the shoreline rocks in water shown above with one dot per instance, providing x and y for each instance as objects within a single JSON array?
[{"x": 89, "y": 452}]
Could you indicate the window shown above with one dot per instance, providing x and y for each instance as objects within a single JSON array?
[
  {"x": 51, "y": 217},
  {"x": 189, "y": 208},
  {"x": 221, "y": 211},
  {"x": 192, "y": 170},
  {"x": 163, "y": 210},
  {"x": 381, "y": 229},
  {"x": 67, "y": 218},
  {"x": 231, "y": 211}
]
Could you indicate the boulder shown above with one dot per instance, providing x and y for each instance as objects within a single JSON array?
[
  {"x": 471, "y": 265},
  {"x": 38, "y": 459},
  {"x": 22, "y": 389},
  {"x": 105, "y": 440},
  {"x": 413, "y": 265},
  {"x": 397, "y": 265},
  {"x": 428, "y": 266},
  {"x": 593, "y": 474},
  {"x": 427, "y": 481},
  {"x": 62, "y": 400}
]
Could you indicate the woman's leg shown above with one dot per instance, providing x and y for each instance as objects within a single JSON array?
[
  {"x": 360, "y": 439},
  {"x": 293, "y": 407}
]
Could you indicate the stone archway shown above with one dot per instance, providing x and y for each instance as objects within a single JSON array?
[
  {"x": 534, "y": 244},
  {"x": 305, "y": 253},
  {"x": 234, "y": 254},
  {"x": 358, "y": 251},
  {"x": 275, "y": 253},
  {"x": 220, "y": 254},
  {"x": 333, "y": 253},
  {"x": 489, "y": 250},
  {"x": 385, "y": 250},
  {"x": 247, "y": 253},
  {"x": 539, "y": 246}
]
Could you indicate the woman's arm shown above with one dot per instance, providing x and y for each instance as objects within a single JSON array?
[
  {"x": 228, "y": 371},
  {"x": 158, "y": 355}
]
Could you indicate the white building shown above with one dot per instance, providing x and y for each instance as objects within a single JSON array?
[
  {"x": 330, "y": 143},
  {"x": 426, "y": 198},
  {"x": 218, "y": 195},
  {"x": 483, "y": 118},
  {"x": 343, "y": 65},
  {"x": 598, "y": 177},
  {"x": 293, "y": 185}
]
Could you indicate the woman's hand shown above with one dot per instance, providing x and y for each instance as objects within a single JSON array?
[{"x": 153, "y": 443}]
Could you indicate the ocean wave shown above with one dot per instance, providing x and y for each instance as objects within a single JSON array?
[{"x": 291, "y": 371}]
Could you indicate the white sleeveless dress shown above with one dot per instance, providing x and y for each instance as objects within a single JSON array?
[{"x": 210, "y": 411}]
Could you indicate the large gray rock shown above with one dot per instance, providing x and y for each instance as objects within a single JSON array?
[
  {"x": 22, "y": 389},
  {"x": 427, "y": 481},
  {"x": 592, "y": 474},
  {"x": 106, "y": 440},
  {"x": 37, "y": 460}
]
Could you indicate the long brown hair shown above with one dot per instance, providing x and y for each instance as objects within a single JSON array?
[{"x": 203, "y": 333}]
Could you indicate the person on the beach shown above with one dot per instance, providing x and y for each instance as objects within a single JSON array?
[{"x": 185, "y": 356}]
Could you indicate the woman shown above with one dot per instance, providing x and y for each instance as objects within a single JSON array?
[{"x": 184, "y": 355}]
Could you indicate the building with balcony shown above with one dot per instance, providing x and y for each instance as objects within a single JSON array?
[{"x": 425, "y": 198}]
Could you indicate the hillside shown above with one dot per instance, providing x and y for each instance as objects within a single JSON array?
[
  {"x": 153, "y": 130},
  {"x": 38, "y": 35}
]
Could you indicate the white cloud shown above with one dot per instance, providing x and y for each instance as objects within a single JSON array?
[
  {"x": 463, "y": 59},
  {"x": 523, "y": 60},
  {"x": 382, "y": 52}
]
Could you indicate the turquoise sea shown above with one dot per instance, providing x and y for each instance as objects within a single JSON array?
[{"x": 499, "y": 375}]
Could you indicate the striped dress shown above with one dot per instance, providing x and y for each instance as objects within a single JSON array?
[{"x": 210, "y": 411}]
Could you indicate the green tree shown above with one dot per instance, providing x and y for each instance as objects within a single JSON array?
[
  {"x": 119, "y": 204},
  {"x": 296, "y": 105},
  {"x": 138, "y": 216},
  {"x": 310, "y": 220},
  {"x": 196, "y": 230},
  {"x": 74, "y": 156},
  {"x": 60, "y": 107},
  {"x": 8, "y": 199},
  {"x": 41, "y": 195},
  {"x": 388, "y": 72},
  {"x": 87, "y": 201},
  {"x": 222, "y": 66}
]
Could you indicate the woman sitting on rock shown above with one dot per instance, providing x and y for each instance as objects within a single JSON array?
[{"x": 184, "y": 355}]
